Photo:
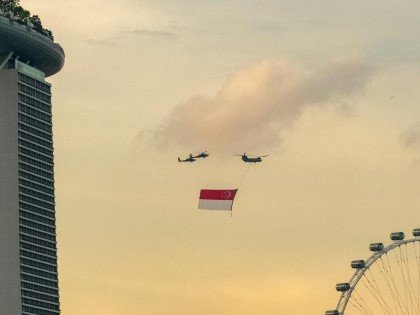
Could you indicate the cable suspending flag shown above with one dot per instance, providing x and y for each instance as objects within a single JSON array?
[{"x": 220, "y": 199}]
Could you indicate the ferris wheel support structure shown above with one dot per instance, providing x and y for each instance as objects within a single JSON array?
[{"x": 362, "y": 267}]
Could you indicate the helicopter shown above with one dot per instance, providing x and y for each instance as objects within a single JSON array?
[
  {"x": 202, "y": 155},
  {"x": 248, "y": 159},
  {"x": 189, "y": 159}
]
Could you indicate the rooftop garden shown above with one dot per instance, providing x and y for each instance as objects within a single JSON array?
[{"x": 14, "y": 10}]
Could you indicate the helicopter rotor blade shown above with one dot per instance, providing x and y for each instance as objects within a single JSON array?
[{"x": 264, "y": 155}]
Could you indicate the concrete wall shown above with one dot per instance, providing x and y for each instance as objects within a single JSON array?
[{"x": 10, "y": 288}]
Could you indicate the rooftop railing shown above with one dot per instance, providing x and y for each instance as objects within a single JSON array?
[
  {"x": 9, "y": 20},
  {"x": 28, "y": 25}
]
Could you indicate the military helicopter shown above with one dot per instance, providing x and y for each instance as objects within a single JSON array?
[
  {"x": 248, "y": 159},
  {"x": 202, "y": 155},
  {"x": 189, "y": 159}
]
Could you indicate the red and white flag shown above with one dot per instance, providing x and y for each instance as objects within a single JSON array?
[{"x": 211, "y": 199}]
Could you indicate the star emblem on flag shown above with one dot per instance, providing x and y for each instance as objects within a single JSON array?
[{"x": 216, "y": 199}]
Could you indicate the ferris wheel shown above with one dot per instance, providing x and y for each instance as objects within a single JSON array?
[{"x": 388, "y": 282}]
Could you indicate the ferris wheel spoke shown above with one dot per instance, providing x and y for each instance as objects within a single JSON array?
[
  {"x": 417, "y": 255},
  {"x": 358, "y": 308},
  {"x": 406, "y": 280},
  {"x": 362, "y": 301},
  {"x": 395, "y": 302},
  {"x": 378, "y": 297},
  {"x": 387, "y": 275},
  {"x": 354, "y": 305},
  {"x": 416, "y": 277},
  {"x": 406, "y": 298},
  {"x": 377, "y": 288},
  {"x": 410, "y": 282},
  {"x": 397, "y": 292},
  {"x": 365, "y": 310}
]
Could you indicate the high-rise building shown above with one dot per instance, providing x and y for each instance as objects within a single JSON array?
[{"x": 28, "y": 251}]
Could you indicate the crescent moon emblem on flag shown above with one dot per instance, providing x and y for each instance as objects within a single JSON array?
[{"x": 226, "y": 194}]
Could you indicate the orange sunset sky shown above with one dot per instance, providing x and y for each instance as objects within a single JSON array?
[{"x": 329, "y": 89}]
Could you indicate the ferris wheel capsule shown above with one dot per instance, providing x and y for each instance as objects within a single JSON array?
[
  {"x": 358, "y": 264},
  {"x": 376, "y": 247},
  {"x": 397, "y": 236},
  {"x": 416, "y": 232},
  {"x": 342, "y": 287}
]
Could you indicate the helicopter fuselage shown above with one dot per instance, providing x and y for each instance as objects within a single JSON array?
[
  {"x": 190, "y": 159},
  {"x": 251, "y": 160}
]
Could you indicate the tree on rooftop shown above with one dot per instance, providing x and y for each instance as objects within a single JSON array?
[
  {"x": 12, "y": 6},
  {"x": 50, "y": 34},
  {"x": 36, "y": 21},
  {"x": 22, "y": 14},
  {"x": 9, "y": 5}
]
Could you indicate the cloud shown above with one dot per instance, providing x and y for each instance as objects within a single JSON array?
[
  {"x": 411, "y": 137},
  {"x": 270, "y": 26},
  {"x": 144, "y": 33},
  {"x": 102, "y": 42},
  {"x": 257, "y": 103},
  {"x": 152, "y": 33}
]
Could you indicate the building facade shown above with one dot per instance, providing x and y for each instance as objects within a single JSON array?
[{"x": 28, "y": 248}]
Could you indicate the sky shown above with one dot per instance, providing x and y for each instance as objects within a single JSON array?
[{"x": 328, "y": 89}]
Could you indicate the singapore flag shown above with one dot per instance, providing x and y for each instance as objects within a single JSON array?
[{"x": 221, "y": 199}]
